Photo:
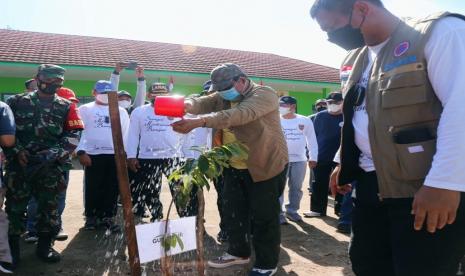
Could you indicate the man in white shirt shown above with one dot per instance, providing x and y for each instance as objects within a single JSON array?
[
  {"x": 402, "y": 138},
  {"x": 96, "y": 153},
  {"x": 300, "y": 136},
  {"x": 154, "y": 149}
]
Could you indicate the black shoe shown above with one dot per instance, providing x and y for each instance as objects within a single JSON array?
[
  {"x": 91, "y": 223},
  {"x": 13, "y": 241},
  {"x": 31, "y": 237},
  {"x": 5, "y": 268},
  {"x": 61, "y": 236},
  {"x": 222, "y": 236},
  {"x": 344, "y": 228},
  {"x": 110, "y": 225},
  {"x": 44, "y": 251}
]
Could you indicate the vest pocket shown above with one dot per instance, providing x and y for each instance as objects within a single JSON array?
[
  {"x": 403, "y": 96},
  {"x": 415, "y": 159},
  {"x": 404, "y": 89}
]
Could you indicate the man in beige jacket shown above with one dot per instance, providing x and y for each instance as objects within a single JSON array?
[{"x": 251, "y": 194}]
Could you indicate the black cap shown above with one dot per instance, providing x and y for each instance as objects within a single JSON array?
[
  {"x": 124, "y": 93},
  {"x": 287, "y": 100},
  {"x": 28, "y": 82},
  {"x": 158, "y": 88},
  {"x": 334, "y": 96}
]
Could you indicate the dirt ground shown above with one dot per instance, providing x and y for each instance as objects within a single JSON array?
[{"x": 311, "y": 247}]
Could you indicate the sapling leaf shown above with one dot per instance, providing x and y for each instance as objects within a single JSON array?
[
  {"x": 203, "y": 164},
  {"x": 181, "y": 244}
]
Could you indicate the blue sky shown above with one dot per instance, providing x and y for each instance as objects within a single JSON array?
[{"x": 272, "y": 26}]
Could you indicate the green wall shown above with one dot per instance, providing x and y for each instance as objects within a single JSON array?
[
  {"x": 84, "y": 88},
  {"x": 306, "y": 100}
]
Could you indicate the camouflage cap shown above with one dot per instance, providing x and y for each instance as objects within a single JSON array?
[
  {"x": 51, "y": 71},
  {"x": 222, "y": 76}
]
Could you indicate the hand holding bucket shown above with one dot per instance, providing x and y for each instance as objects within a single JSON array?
[{"x": 171, "y": 106}]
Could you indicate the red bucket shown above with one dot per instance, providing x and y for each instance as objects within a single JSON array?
[{"x": 171, "y": 106}]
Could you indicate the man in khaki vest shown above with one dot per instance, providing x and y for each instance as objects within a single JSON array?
[
  {"x": 251, "y": 190},
  {"x": 403, "y": 137}
]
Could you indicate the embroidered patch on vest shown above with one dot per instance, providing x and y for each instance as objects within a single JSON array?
[
  {"x": 403, "y": 61},
  {"x": 345, "y": 72},
  {"x": 401, "y": 49}
]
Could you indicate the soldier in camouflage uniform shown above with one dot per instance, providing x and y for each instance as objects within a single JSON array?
[{"x": 45, "y": 138}]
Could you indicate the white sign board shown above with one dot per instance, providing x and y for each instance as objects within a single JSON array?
[{"x": 150, "y": 237}]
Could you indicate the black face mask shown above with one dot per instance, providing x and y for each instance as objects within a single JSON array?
[
  {"x": 320, "y": 108},
  {"x": 48, "y": 88},
  {"x": 347, "y": 37}
]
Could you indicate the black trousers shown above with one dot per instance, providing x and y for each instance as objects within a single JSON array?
[
  {"x": 219, "y": 186},
  {"x": 101, "y": 187},
  {"x": 319, "y": 198},
  {"x": 146, "y": 187},
  {"x": 384, "y": 241},
  {"x": 253, "y": 205}
]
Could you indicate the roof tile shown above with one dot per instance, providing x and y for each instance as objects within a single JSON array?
[{"x": 34, "y": 47}]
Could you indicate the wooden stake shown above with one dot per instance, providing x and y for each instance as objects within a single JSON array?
[
  {"x": 200, "y": 233},
  {"x": 123, "y": 181}
]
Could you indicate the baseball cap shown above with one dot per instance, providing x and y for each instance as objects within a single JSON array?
[
  {"x": 158, "y": 87},
  {"x": 222, "y": 76},
  {"x": 320, "y": 101},
  {"x": 28, "y": 82},
  {"x": 51, "y": 71},
  {"x": 67, "y": 94},
  {"x": 287, "y": 100},
  {"x": 124, "y": 93},
  {"x": 334, "y": 96},
  {"x": 103, "y": 86}
]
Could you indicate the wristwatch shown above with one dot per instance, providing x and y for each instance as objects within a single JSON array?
[{"x": 80, "y": 152}]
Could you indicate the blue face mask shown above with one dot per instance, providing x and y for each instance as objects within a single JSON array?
[{"x": 230, "y": 94}]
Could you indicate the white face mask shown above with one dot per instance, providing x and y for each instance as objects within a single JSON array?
[
  {"x": 284, "y": 110},
  {"x": 102, "y": 98},
  {"x": 334, "y": 108},
  {"x": 124, "y": 104}
]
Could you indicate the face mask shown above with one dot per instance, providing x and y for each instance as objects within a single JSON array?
[
  {"x": 334, "y": 108},
  {"x": 102, "y": 98},
  {"x": 48, "y": 88},
  {"x": 320, "y": 108},
  {"x": 284, "y": 110},
  {"x": 347, "y": 37},
  {"x": 124, "y": 104},
  {"x": 230, "y": 94}
]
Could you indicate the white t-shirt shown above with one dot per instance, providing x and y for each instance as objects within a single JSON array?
[
  {"x": 153, "y": 135},
  {"x": 445, "y": 56},
  {"x": 96, "y": 138},
  {"x": 200, "y": 137},
  {"x": 360, "y": 119},
  {"x": 299, "y": 134}
]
